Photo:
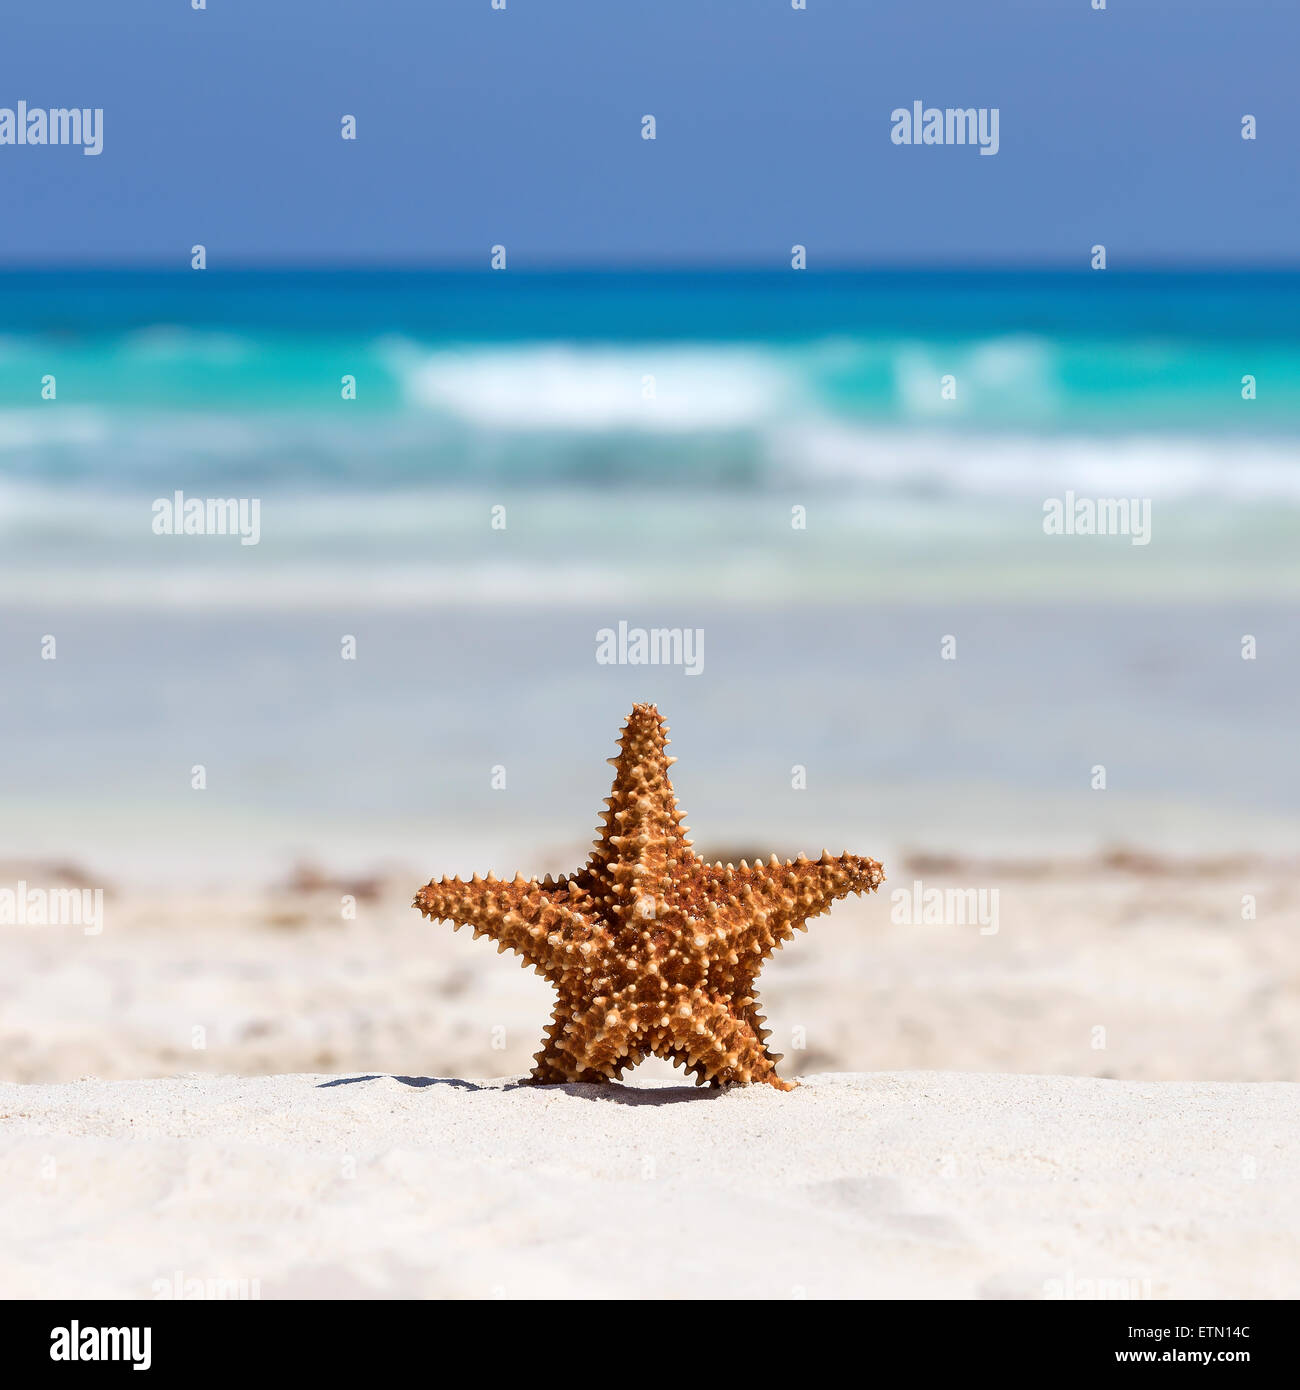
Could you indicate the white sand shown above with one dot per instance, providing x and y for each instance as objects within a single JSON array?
[
  {"x": 882, "y": 1184},
  {"x": 1092, "y": 972}
]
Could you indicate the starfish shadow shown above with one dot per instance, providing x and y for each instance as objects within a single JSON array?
[
  {"x": 610, "y": 1093},
  {"x": 616, "y": 1093}
]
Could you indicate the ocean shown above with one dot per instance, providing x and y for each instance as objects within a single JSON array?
[
  {"x": 771, "y": 461},
  {"x": 624, "y": 420}
]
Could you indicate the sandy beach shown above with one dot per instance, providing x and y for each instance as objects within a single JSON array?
[
  {"x": 1127, "y": 966},
  {"x": 928, "y": 1153},
  {"x": 886, "y": 1185}
]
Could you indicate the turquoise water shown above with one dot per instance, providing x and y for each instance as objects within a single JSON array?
[
  {"x": 774, "y": 399},
  {"x": 616, "y": 415}
]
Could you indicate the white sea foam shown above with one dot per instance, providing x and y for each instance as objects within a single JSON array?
[
  {"x": 989, "y": 465},
  {"x": 653, "y": 388},
  {"x": 59, "y": 461}
]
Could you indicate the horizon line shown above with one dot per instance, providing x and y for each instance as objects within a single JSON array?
[{"x": 664, "y": 266}]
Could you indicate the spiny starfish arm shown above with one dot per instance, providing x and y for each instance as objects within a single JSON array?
[
  {"x": 748, "y": 1011},
  {"x": 642, "y": 844},
  {"x": 521, "y": 916},
  {"x": 554, "y": 1063},
  {"x": 718, "y": 1045},
  {"x": 579, "y": 891},
  {"x": 756, "y": 909},
  {"x": 595, "y": 1044}
]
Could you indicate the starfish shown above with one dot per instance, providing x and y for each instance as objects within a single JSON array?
[{"x": 650, "y": 949}]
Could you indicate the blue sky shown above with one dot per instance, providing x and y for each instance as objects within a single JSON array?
[{"x": 523, "y": 127}]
